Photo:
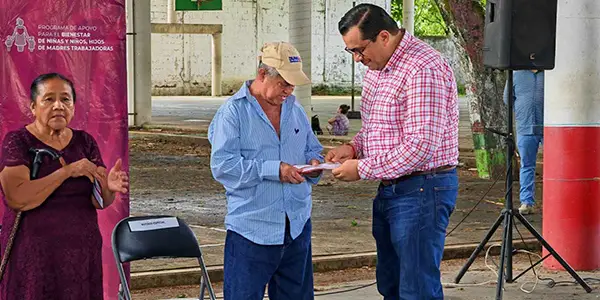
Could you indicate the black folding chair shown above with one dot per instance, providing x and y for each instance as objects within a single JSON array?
[{"x": 137, "y": 238}]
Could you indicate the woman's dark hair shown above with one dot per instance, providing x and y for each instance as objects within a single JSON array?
[
  {"x": 344, "y": 108},
  {"x": 370, "y": 19},
  {"x": 34, "y": 89}
]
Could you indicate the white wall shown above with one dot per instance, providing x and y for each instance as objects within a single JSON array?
[{"x": 181, "y": 63}]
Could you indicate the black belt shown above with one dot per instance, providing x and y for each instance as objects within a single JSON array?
[{"x": 439, "y": 170}]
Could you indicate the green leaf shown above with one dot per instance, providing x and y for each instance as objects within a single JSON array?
[{"x": 428, "y": 19}]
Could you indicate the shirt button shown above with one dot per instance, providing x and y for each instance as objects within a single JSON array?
[{"x": 421, "y": 189}]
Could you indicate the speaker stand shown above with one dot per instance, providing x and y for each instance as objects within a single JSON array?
[{"x": 508, "y": 215}]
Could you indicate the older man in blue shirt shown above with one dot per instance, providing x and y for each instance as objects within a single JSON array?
[
  {"x": 257, "y": 138},
  {"x": 528, "y": 91}
]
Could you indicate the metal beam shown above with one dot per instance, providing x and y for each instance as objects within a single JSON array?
[{"x": 187, "y": 28}]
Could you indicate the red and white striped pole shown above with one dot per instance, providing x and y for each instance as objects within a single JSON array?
[{"x": 571, "y": 214}]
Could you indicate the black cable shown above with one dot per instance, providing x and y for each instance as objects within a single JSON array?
[
  {"x": 455, "y": 227},
  {"x": 527, "y": 249},
  {"x": 473, "y": 208},
  {"x": 448, "y": 234},
  {"x": 551, "y": 282},
  {"x": 478, "y": 202},
  {"x": 493, "y": 184}
]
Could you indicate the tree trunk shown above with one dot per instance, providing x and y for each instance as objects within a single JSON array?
[{"x": 484, "y": 87}]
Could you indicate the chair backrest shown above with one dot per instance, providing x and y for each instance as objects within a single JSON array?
[{"x": 136, "y": 238}]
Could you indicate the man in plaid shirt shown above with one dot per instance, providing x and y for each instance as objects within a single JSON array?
[{"x": 409, "y": 142}]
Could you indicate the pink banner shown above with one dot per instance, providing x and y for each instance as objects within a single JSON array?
[{"x": 85, "y": 41}]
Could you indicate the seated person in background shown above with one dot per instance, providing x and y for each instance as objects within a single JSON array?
[
  {"x": 339, "y": 124},
  {"x": 57, "y": 249}
]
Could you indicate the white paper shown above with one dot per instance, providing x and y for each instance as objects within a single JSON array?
[
  {"x": 153, "y": 224},
  {"x": 323, "y": 166}
]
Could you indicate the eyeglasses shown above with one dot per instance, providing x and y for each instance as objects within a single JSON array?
[{"x": 358, "y": 51}]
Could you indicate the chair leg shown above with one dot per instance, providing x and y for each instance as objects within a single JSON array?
[
  {"x": 202, "y": 287},
  {"x": 121, "y": 292},
  {"x": 124, "y": 292},
  {"x": 206, "y": 279}
]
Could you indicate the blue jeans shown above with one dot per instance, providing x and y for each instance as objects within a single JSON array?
[
  {"x": 286, "y": 268},
  {"x": 409, "y": 226},
  {"x": 528, "y": 146}
]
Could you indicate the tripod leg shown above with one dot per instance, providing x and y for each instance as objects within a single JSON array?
[
  {"x": 504, "y": 254},
  {"x": 554, "y": 254},
  {"x": 509, "y": 249},
  {"x": 480, "y": 247}
]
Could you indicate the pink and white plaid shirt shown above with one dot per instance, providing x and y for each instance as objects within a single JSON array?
[{"x": 410, "y": 114}]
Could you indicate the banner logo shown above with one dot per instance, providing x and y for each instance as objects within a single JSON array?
[{"x": 20, "y": 38}]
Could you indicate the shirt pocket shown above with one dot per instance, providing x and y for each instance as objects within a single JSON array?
[{"x": 294, "y": 137}]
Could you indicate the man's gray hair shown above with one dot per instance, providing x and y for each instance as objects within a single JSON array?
[{"x": 271, "y": 72}]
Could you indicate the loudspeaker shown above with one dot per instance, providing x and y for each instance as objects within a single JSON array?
[{"x": 520, "y": 34}]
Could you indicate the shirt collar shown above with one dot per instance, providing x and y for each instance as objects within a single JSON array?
[
  {"x": 244, "y": 91},
  {"x": 394, "y": 60}
]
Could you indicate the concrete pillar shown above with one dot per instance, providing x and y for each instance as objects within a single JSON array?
[
  {"x": 408, "y": 15},
  {"x": 217, "y": 65},
  {"x": 130, "y": 65},
  {"x": 571, "y": 222},
  {"x": 300, "y": 36},
  {"x": 142, "y": 60},
  {"x": 171, "y": 13}
]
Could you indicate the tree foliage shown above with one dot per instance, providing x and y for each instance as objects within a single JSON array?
[{"x": 428, "y": 19}]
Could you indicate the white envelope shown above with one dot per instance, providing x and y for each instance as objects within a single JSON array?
[{"x": 323, "y": 166}]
